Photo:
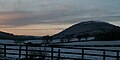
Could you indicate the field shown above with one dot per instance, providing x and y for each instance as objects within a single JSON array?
[{"x": 71, "y": 44}]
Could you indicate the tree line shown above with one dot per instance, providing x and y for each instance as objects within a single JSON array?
[{"x": 106, "y": 35}]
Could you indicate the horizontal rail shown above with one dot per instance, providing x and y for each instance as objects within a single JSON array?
[
  {"x": 57, "y": 46},
  {"x": 90, "y": 45}
]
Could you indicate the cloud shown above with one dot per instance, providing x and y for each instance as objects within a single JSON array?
[
  {"x": 24, "y": 12},
  {"x": 23, "y": 19}
]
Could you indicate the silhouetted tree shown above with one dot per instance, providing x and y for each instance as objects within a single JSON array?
[
  {"x": 85, "y": 35},
  {"x": 79, "y": 37},
  {"x": 62, "y": 39},
  {"x": 47, "y": 38},
  {"x": 69, "y": 37}
]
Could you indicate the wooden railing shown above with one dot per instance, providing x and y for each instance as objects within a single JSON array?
[{"x": 57, "y": 50}]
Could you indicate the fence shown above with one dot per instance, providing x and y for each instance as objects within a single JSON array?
[{"x": 54, "y": 52}]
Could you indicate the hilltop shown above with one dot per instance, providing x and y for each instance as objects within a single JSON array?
[{"x": 89, "y": 28}]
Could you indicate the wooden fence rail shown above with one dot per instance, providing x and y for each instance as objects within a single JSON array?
[{"x": 53, "y": 51}]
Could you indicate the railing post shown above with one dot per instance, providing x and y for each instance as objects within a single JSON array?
[
  {"x": 51, "y": 53},
  {"x": 58, "y": 54},
  {"x": 26, "y": 51},
  {"x": 4, "y": 50},
  {"x": 104, "y": 55},
  {"x": 20, "y": 51},
  {"x": 117, "y": 55},
  {"x": 83, "y": 53}
]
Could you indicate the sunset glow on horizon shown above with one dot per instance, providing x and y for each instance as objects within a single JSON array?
[
  {"x": 36, "y": 30},
  {"x": 31, "y": 32}
]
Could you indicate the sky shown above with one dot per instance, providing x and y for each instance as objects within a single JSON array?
[{"x": 48, "y": 17}]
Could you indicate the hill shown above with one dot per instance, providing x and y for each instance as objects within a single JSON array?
[
  {"x": 89, "y": 28},
  {"x": 10, "y": 36}
]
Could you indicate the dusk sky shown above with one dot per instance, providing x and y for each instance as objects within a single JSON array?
[{"x": 48, "y": 17}]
